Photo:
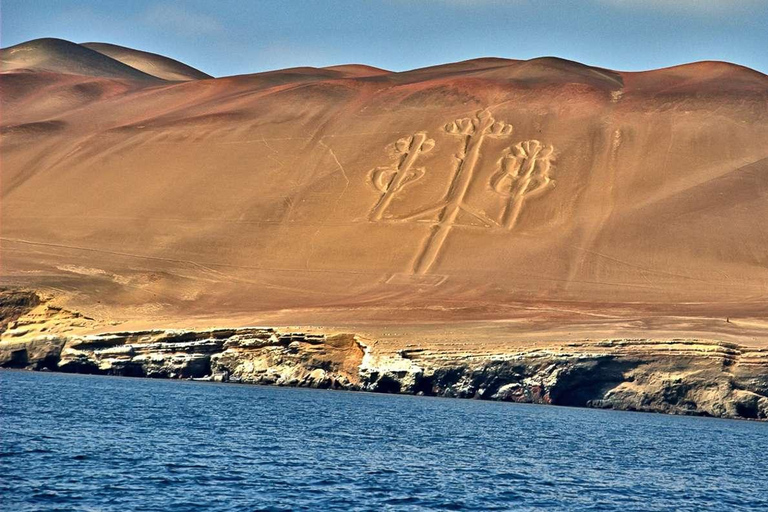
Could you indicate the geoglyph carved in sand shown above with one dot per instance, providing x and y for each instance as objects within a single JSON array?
[
  {"x": 391, "y": 180},
  {"x": 523, "y": 173}
]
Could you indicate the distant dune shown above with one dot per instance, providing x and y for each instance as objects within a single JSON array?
[
  {"x": 59, "y": 56},
  {"x": 150, "y": 63},
  {"x": 358, "y": 70}
]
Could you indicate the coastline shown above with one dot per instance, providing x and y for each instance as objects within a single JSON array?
[{"x": 684, "y": 377}]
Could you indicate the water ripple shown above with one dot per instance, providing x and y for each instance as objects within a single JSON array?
[{"x": 70, "y": 442}]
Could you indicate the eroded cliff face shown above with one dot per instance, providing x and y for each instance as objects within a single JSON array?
[
  {"x": 41, "y": 338},
  {"x": 680, "y": 376},
  {"x": 674, "y": 376}
]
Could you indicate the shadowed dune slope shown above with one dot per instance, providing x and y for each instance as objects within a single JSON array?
[
  {"x": 60, "y": 56},
  {"x": 150, "y": 63},
  {"x": 542, "y": 197}
]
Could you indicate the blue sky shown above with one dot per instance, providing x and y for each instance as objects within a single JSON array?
[{"x": 227, "y": 37}]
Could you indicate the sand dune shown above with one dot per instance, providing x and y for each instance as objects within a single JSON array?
[
  {"x": 150, "y": 63},
  {"x": 539, "y": 198},
  {"x": 60, "y": 56},
  {"x": 358, "y": 70}
]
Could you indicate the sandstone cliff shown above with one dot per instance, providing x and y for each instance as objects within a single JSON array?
[{"x": 695, "y": 377}]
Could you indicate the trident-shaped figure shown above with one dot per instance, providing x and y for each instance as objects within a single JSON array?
[
  {"x": 474, "y": 131},
  {"x": 523, "y": 172}
]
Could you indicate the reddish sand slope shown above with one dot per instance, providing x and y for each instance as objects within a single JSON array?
[{"x": 545, "y": 196}]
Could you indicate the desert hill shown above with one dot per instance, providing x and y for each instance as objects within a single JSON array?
[
  {"x": 150, "y": 63},
  {"x": 60, "y": 56},
  {"x": 488, "y": 204},
  {"x": 358, "y": 70}
]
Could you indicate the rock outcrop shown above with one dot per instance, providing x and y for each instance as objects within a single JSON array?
[
  {"x": 695, "y": 377},
  {"x": 249, "y": 355},
  {"x": 676, "y": 376}
]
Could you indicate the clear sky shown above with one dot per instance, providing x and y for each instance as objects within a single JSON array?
[{"x": 227, "y": 37}]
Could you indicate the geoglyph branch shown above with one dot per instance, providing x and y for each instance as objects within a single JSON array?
[
  {"x": 482, "y": 124},
  {"x": 523, "y": 174},
  {"x": 391, "y": 180}
]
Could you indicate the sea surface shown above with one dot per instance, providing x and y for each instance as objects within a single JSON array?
[{"x": 76, "y": 442}]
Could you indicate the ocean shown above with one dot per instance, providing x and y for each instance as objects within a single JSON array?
[{"x": 94, "y": 443}]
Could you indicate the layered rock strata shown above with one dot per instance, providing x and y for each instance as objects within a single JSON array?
[{"x": 683, "y": 376}]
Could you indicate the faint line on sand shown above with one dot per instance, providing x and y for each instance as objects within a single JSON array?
[{"x": 188, "y": 262}]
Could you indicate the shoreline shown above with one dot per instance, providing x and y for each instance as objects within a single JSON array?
[
  {"x": 380, "y": 393},
  {"x": 682, "y": 377}
]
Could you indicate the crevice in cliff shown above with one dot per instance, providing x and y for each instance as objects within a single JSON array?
[{"x": 586, "y": 383}]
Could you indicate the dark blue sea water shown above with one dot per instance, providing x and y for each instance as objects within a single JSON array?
[{"x": 73, "y": 442}]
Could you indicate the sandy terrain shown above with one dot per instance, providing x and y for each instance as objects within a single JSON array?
[{"x": 483, "y": 204}]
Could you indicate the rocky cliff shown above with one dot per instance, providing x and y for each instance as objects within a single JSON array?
[{"x": 680, "y": 376}]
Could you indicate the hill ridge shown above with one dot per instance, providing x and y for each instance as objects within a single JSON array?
[{"x": 66, "y": 57}]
